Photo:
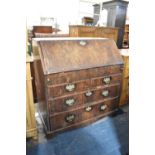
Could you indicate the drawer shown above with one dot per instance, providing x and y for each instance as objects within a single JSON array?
[
  {"x": 76, "y": 116},
  {"x": 72, "y": 76},
  {"x": 80, "y": 99},
  {"x": 70, "y": 88}
]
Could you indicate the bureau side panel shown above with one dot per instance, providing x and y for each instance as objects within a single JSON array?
[{"x": 41, "y": 93}]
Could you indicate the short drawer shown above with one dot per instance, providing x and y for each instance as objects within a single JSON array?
[
  {"x": 76, "y": 116},
  {"x": 73, "y": 76},
  {"x": 71, "y": 102},
  {"x": 70, "y": 88}
]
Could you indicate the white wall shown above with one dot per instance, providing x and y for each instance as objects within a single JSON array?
[{"x": 65, "y": 11}]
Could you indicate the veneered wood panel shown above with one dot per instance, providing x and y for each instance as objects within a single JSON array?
[
  {"x": 59, "y": 104},
  {"x": 85, "y": 62},
  {"x": 75, "y": 54},
  {"x": 84, "y": 85},
  {"x": 73, "y": 76},
  {"x": 81, "y": 114}
]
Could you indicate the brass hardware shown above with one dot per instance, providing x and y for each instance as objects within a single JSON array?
[
  {"x": 49, "y": 82},
  {"x": 103, "y": 107},
  {"x": 70, "y": 102},
  {"x": 107, "y": 80},
  {"x": 83, "y": 43},
  {"x": 69, "y": 118},
  {"x": 88, "y": 93},
  {"x": 70, "y": 87},
  {"x": 89, "y": 108},
  {"x": 105, "y": 93}
]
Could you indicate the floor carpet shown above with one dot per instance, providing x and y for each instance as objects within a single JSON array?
[{"x": 108, "y": 136}]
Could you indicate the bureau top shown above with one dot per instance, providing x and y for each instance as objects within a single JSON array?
[{"x": 68, "y": 54}]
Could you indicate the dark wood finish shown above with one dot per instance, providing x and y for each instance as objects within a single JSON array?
[
  {"x": 92, "y": 31},
  {"x": 33, "y": 83},
  {"x": 76, "y": 56},
  {"x": 95, "y": 67},
  {"x": 72, "y": 76},
  {"x": 87, "y": 20},
  {"x": 116, "y": 17},
  {"x": 58, "y": 104},
  {"x": 41, "y": 92},
  {"x": 42, "y": 29},
  {"x": 59, "y": 90},
  {"x": 58, "y": 121}
]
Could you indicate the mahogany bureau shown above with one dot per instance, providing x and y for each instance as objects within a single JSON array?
[{"x": 78, "y": 81}]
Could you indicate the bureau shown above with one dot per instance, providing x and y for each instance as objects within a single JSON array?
[{"x": 78, "y": 81}]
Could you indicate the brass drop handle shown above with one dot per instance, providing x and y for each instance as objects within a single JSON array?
[
  {"x": 70, "y": 87},
  {"x": 70, "y": 102},
  {"x": 105, "y": 93},
  {"x": 70, "y": 118},
  {"x": 103, "y": 107},
  {"x": 106, "y": 80},
  {"x": 88, "y": 93},
  {"x": 89, "y": 108}
]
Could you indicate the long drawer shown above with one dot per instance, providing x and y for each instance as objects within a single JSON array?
[
  {"x": 84, "y": 98},
  {"x": 72, "y": 76},
  {"x": 75, "y": 116},
  {"x": 70, "y": 88}
]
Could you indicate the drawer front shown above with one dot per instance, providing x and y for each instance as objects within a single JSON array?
[
  {"x": 85, "y": 113},
  {"x": 74, "y": 101},
  {"x": 70, "y": 88},
  {"x": 69, "y": 77},
  {"x": 103, "y": 93}
]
